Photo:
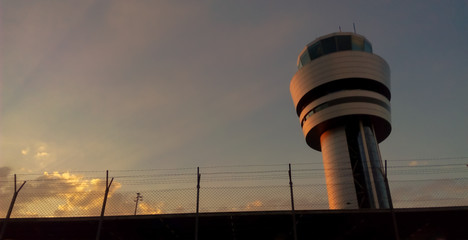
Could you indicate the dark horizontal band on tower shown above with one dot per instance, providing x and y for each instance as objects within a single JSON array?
[
  {"x": 338, "y": 101},
  {"x": 339, "y": 85}
]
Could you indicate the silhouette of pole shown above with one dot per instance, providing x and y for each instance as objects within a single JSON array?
[
  {"x": 12, "y": 204},
  {"x": 394, "y": 221},
  {"x": 198, "y": 202},
  {"x": 138, "y": 198},
  {"x": 98, "y": 235},
  {"x": 292, "y": 204}
]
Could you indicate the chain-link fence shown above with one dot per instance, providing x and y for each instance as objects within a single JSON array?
[{"x": 222, "y": 189}]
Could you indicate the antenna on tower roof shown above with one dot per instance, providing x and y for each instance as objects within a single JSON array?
[
  {"x": 339, "y": 28},
  {"x": 354, "y": 27}
]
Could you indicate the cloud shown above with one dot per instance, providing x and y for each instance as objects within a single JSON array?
[
  {"x": 116, "y": 83},
  {"x": 417, "y": 163},
  {"x": 4, "y": 172},
  {"x": 429, "y": 193},
  {"x": 39, "y": 156},
  {"x": 60, "y": 194},
  {"x": 5, "y": 187},
  {"x": 145, "y": 208},
  {"x": 31, "y": 31},
  {"x": 253, "y": 206},
  {"x": 42, "y": 152},
  {"x": 89, "y": 85},
  {"x": 25, "y": 151},
  {"x": 71, "y": 195}
]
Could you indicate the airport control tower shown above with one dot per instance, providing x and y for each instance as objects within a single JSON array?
[{"x": 341, "y": 93}]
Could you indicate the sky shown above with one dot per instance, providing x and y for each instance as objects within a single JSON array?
[{"x": 97, "y": 85}]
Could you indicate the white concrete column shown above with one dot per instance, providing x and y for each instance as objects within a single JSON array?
[{"x": 338, "y": 172}]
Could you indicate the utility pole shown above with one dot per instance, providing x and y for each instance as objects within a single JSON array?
[{"x": 139, "y": 197}]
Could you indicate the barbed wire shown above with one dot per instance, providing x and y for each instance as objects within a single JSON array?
[
  {"x": 223, "y": 188},
  {"x": 318, "y": 163},
  {"x": 429, "y": 159}
]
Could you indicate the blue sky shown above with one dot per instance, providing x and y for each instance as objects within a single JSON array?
[{"x": 95, "y": 85}]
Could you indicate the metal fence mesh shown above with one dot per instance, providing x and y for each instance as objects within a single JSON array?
[{"x": 222, "y": 189}]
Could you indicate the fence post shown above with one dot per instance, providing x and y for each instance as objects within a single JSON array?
[
  {"x": 293, "y": 211},
  {"x": 390, "y": 201},
  {"x": 98, "y": 235},
  {"x": 198, "y": 203},
  {"x": 12, "y": 204}
]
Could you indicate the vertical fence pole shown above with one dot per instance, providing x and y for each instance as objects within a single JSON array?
[
  {"x": 198, "y": 203},
  {"x": 293, "y": 211},
  {"x": 390, "y": 201},
  {"x": 12, "y": 204},
  {"x": 98, "y": 235}
]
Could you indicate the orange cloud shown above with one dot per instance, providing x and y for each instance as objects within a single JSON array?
[
  {"x": 255, "y": 205},
  {"x": 62, "y": 194}
]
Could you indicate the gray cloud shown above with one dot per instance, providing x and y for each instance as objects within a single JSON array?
[
  {"x": 4, "y": 172},
  {"x": 114, "y": 84}
]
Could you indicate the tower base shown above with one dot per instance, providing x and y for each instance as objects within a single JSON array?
[{"x": 353, "y": 167}]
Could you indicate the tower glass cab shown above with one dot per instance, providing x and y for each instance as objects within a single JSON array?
[{"x": 341, "y": 93}]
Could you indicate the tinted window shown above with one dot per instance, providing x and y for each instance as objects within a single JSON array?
[
  {"x": 328, "y": 45},
  {"x": 315, "y": 51},
  {"x": 334, "y": 44},
  {"x": 357, "y": 43},
  {"x": 367, "y": 47},
  {"x": 305, "y": 58},
  {"x": 343, "y": 43}
]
